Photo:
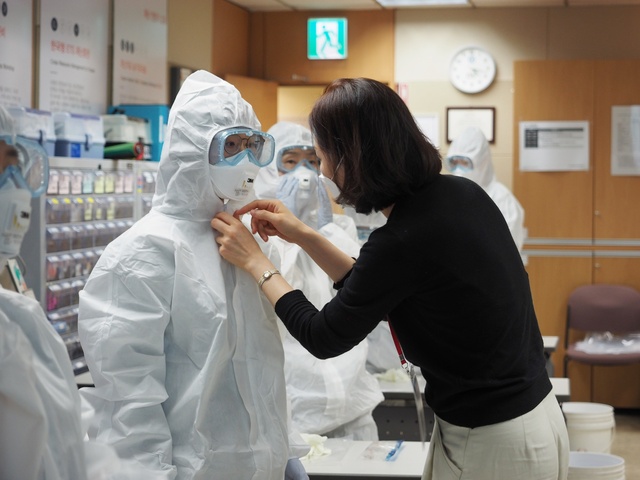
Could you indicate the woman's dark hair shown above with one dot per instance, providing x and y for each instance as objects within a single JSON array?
[{"x": 368, "y": 127}]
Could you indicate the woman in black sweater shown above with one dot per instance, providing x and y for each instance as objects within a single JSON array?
[{"x": 444, "y": 269}]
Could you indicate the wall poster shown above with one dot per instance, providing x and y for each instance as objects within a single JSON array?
[
  {"x": 625, "y": 140},
  {"x": 140, "y": 52},
  {"x": 73, "y": 65},
  {"x": 16, "y": 52},
  {"x": 554, "y": 146}
]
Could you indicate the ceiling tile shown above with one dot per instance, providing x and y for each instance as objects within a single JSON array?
[
  {"x": 608, "y": 3},
  {"x": 289, "y": 5},
  {"x": 518, "y": 3},
  {"x": 261, "y": 5},
  {"x": 333, "y": 4}
]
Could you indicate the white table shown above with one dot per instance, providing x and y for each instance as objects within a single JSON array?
[
  {"x": 550, "y": 343},
  {"x": 404, "y": 391},
  {"x": 561, "y": 388},
  {"x": 550, "y": 346},
  {"x": 348, "y": 460}
]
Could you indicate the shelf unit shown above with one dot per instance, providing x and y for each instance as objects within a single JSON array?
[{"x": 88, "y": 204}]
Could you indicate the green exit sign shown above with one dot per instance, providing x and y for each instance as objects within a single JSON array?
[{"x": 327, "y": 38}]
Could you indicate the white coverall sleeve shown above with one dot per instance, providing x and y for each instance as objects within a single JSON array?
[
  {"x": 514, "y": 215},
  {"x": 23, "y": 422},
  {"x": 122, "y": 323}
]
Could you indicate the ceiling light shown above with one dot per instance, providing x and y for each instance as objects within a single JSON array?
[{"x": 422, "y": 3}]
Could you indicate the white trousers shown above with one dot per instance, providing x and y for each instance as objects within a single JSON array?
[{"x": 534, "y": 446}]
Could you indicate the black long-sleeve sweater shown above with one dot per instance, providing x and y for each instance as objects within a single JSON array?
[{"x": 447, "y": 272}]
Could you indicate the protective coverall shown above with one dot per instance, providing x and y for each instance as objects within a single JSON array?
[
  {"x": 332, "y": 397},
  {"x": 183, "y": 349},
  {"x": 41, "y": 435}
]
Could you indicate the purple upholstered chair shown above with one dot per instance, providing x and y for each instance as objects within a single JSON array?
[{"x": 602, "y": 308}]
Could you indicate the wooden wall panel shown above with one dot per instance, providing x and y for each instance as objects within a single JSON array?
[
  {"x": 262, "y": 95},
  {"x": 617, "y": 386},
  {"x": 562, "y": 208},
  {"x": 278, "y": 48},
  {"x": 556, "y": 204},
  {"x": 616, "y": 198},
  {"x": 230, "y": 40},
  {"x": 552, "y": 278}
]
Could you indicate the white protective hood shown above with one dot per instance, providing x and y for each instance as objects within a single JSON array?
[
  {"x": 205, "y": 105},
  {"x": 183, "y": 348},
  {"x": 471, "y": 143},
  {"x": 334, "y": 396},
  {"x": 285, "y": 134}
]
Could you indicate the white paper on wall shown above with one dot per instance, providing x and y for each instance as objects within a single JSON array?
[
  {"x": 16, "y": 53},
  {"x": 140, "y": 52},
  {"x": 625, "y": 140},
  {"x": 73, "y": 66},
  {"x": 429, "y": 123},
  {"x": 554, "y": 146}
]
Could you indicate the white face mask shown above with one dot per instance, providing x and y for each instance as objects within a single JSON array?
[
  {"x": 299, "y": 192},
  {"x": 235, "y": 182},
  {"x": 15, "y": 216},
  {"x": 334, "y": 191}
]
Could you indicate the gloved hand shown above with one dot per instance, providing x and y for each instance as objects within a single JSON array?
[
  {"x": 325, "y": 212},
  {"x": 287, "y": 190},
  {"x": 295, "y": 470}
]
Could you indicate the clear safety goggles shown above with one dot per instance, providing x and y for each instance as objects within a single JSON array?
[
  {"x": 228, "y": 143},
  {"x": 289, "y": 158},
  {"x": 459, "y": 163},
  {"x": 30, "y": 171}
]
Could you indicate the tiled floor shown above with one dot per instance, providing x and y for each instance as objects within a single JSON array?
[{"x": 626, "y": 443}]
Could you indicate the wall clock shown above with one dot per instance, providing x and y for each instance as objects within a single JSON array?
[{"x": 472, "y": 70}]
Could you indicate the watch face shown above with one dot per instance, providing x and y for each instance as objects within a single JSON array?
[{"x": 472, "y": 70}]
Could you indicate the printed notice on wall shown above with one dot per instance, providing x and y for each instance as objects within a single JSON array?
[
  {"x": 16, "y": 19},
  {"x": 140, "y": 52},
  {"x": 554, "y": 146},
  {"x": 625, "y": 140},
  {"x": 74, "y": 55}
]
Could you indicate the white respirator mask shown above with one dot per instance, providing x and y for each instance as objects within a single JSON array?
[
  {"x": 235, "y": 182},
  {"x": 15, "y": 216}
]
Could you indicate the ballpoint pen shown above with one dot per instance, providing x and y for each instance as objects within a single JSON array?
[{"x": 394, "y": 451}]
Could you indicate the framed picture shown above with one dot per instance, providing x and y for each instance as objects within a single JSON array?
[{"x": 459, "y": 118}]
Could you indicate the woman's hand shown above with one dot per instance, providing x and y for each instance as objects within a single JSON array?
[
  {"x": 237, "y": 245},
  {"x": 271, "y": 218}
]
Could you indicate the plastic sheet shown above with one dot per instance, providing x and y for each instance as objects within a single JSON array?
[{"x": 609, "y": 343}]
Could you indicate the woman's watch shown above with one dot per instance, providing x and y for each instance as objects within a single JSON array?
[{"x": 267, "y": 275}]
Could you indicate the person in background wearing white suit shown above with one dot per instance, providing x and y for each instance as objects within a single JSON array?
[
  {"x": 183, "y": 349},
  {"x": 41, "y": 432},
  {"x": 333, "y": 397},
  {"x": 469, "y": 156}
]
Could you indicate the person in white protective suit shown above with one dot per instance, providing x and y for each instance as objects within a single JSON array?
[
  {"x": 40, "y": 427},
  {"x": 469, "y": 156},
  {"x": 382, "y": 355},
  {"x": 41, "y": 432},
  {"x": 183, "y": 349},
  {"x": 333, "y": 397}
]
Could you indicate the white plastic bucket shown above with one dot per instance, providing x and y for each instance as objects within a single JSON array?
[
  {"x": 591, "y": 426},
  {"x": 592, "y": 466}
]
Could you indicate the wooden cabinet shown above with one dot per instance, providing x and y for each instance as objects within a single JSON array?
[{"x": 584, "y": 227}]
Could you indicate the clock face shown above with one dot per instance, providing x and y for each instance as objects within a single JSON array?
[{"x": 472, "y": 70}]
